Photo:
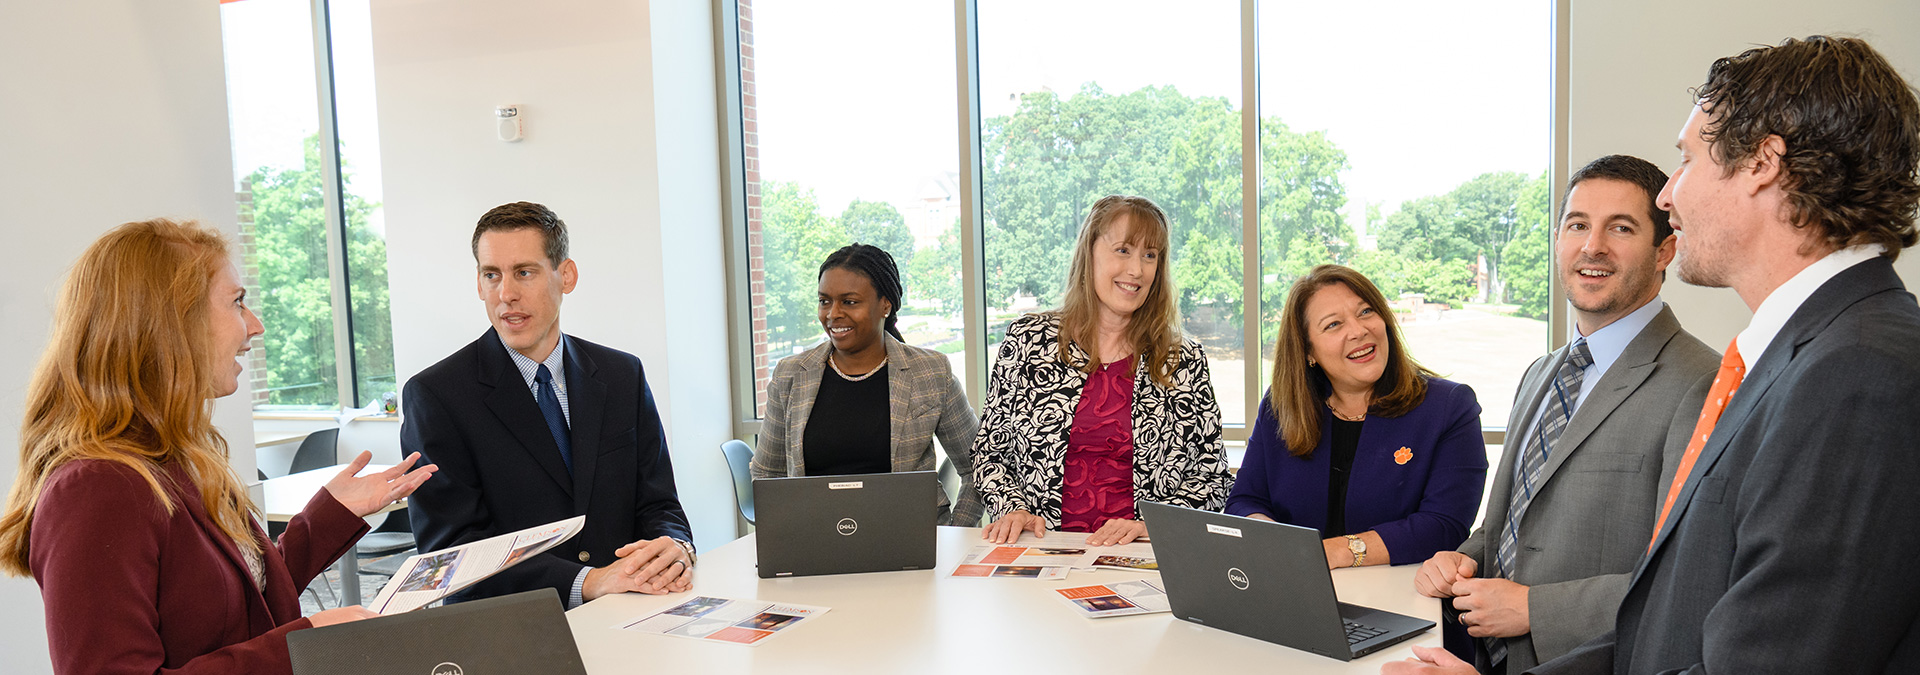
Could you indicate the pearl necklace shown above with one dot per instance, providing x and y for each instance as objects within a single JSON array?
[{"x": 843, "y": 374}]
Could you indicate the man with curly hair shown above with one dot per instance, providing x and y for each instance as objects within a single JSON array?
[{"x": 1785, "y": 537}]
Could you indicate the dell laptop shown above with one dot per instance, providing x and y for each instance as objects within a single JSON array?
[
  {"x": 873, "y": 522},
  {"x": 1264, "y": 580},
  {"x": 519, "y": 633}
]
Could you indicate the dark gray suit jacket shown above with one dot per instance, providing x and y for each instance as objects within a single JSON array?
[
  {"x": 1600, "y": 489},
  {"x": 1791, "y": 547}
]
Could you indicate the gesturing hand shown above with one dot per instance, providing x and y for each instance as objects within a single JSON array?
[
  {"x": 1007, "y": 529},
  {"x": 366, "y": 495}
]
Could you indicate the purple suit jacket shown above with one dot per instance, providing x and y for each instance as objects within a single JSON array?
[
  {"x": 1418, "y": 508},
  {"x": 130, "y": 588}
]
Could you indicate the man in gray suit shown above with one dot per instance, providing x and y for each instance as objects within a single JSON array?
[
  {"x": 1574, "y": 499},
  {"x": 1786, "y": 540}
]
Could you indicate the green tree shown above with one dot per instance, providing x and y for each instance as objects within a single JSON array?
[
  {"x": 290, "y": 254},
  {"x": 1528, "y": 273},
  {"x": 1487, "y": 213},
  {"x": 934, "y": 274},
  {"x": 797, "y": 238},
  {"x": 879, "y": 224}
]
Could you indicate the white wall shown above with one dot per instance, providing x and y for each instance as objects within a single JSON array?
[
  {"x": 621, "y": 141},
  {"x": 1634, "y": 60},
  {"x": 116, "y": 111}
]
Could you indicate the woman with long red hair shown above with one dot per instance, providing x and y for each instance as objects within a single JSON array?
[{"x": 125, "y": 511}]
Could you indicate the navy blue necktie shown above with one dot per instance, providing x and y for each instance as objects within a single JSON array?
[{"x": 550, "y": 408}]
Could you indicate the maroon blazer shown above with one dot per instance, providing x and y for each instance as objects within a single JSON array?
[{"x": 129, "y": 588}]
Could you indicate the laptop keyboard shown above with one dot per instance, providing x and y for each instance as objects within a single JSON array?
[{"x": 1360, "y": 632}]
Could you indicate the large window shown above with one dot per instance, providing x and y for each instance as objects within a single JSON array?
[
  {"x": 1418, "y": 157},
  {"x": 306, "y": 152},
  {"x": 1409, "y": 141},
  {"x": 848, "y": 133}
]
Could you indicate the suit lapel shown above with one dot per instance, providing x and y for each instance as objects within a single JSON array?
[
  {"x": 513, "y": 403},
  {"x": 259, "y": 616},
  {"x": 800, "y": 398},
  {"x": 1814, "y": 315},
  {"x": 586, "y": 403},
  {"x": 1636, "y": 363},
  {"x": 899, "y": 398}
]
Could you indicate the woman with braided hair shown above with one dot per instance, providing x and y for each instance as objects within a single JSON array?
[{"x": 864, "y": 401}]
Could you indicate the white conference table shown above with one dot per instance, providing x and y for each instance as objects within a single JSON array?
[
  {"x": 926, "y": 622},
  {"x": 282, "y": 498}
]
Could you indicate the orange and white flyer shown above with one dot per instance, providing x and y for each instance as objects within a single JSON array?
[
  {"x": 1018, "y": 562},
  {"x": 746, "y": 622},
  {"x": 1104, "y": 600}
]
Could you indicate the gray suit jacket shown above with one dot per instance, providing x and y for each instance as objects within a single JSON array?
[
  {"x": 924, "y": 400},
  {"x": 1600, "y": 489},
  {"x": 1791, "y": 546}
]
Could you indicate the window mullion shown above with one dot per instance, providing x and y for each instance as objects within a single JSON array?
[
  {"x": 972, "y": 220},
  {"x": 332, "y": 190}
]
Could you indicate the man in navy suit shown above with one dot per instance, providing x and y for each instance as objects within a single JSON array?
[
  {"x": 1785, "y": 540},
  {"x": 530, "y": 426}
]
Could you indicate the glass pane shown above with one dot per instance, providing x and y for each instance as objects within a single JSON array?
[
  {"x": 849, "y": 117},
  {"x": 358, "y": 122},
  {"x": 276, "y": 154},
  {"x": 1418, "y": 157},
  {"x": 1137, "y": 98}
]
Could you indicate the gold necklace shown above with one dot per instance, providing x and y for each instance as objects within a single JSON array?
[
  {"x": 850, "y": 378},
  {"x": 1336, "y": 413}
]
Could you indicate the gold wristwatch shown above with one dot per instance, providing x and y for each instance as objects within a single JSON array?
[{"x": 1358, "y": 548}]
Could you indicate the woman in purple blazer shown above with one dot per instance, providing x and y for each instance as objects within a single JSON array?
[
  {"x": 125, "y": 511},
  {"x": 1357, "y": 440}
]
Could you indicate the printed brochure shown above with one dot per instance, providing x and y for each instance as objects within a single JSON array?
[
  {"x": 744, "y": 622},
  {"x": 428, "y": 577},
  {"x": 1132, "y": 597}
]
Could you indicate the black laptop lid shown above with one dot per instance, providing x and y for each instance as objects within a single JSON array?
[
  {"x": 877, "y": 522},
  {"x": 1260, "y": 579},
  {"x": 519, "y": 633}
]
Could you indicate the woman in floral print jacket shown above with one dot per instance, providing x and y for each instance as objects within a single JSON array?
[{"x": 1102, "y": 403}]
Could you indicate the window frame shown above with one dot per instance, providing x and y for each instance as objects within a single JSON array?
[
  {"x": 738, "y": 242},
  {"x": 339, "y": 273}
]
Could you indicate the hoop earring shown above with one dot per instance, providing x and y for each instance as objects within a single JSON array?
[{"x": 1312, "y": 363}]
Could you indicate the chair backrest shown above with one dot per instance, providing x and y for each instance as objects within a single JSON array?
[
  {"x": 319, "y": 450},
  {"x": 740, "y": 463},
  {"x": 950, "y": 480}
]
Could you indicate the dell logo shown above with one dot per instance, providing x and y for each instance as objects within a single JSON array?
[
  {"x": 1237, "y": 578},
  {"x": 846, "y": 526},
  {"x": 448, "y": 668}
]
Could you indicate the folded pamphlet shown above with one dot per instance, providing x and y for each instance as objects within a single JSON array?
[{"x": 428, "y": 577}]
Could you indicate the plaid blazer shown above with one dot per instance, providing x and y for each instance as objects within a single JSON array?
[{"x": 925, "y": 402}]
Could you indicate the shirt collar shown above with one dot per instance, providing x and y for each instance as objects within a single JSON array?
[
  {"x": 1607, "y": 344},
  {"x": 529, "y": 367},
  {"x": 1781, "y": 304}
]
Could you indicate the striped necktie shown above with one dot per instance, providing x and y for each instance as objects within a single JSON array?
[{"x": 1562, "y": 399}]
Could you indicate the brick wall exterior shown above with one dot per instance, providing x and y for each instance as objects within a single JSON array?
[
  {"x": 250, "y": 279},
  {"x": 756, "y": 256}
]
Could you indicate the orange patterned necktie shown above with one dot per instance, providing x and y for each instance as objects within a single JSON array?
[{"x": 1725, "y": 383}]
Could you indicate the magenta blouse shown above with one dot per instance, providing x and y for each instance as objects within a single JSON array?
[{"x": 1098, "y": 485}]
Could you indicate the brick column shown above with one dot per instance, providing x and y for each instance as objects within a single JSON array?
[
  {"x": 756, "y": 255},
  {"x": 250, "y": 279}
]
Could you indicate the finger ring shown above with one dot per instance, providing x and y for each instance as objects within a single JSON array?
[{"x": 681, "y": 563}]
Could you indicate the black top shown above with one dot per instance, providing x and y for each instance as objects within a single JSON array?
[
  {"x": 1346, "y": 440},
  {"x": 851, "y": 427}
]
